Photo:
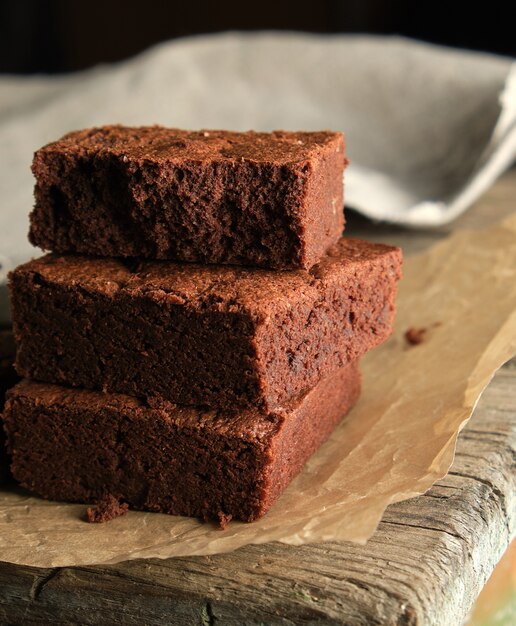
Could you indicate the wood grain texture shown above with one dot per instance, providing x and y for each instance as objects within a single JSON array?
[{"x": 425, "y": 565}]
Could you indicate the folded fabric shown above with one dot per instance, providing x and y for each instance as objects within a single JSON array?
[{"x": 428, "y": 128}]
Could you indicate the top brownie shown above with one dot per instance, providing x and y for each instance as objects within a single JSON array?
[{"x": 273, "y": 200}]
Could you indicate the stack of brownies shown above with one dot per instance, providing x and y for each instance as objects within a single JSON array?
[{"x": 194, "y": 335}]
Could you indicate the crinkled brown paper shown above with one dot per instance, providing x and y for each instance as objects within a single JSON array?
[{"x": 398, "y": 440}]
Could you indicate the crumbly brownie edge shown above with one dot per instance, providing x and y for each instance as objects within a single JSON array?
[
  {"x": 325, "y": 188},
  {"x": 336, "y": 395},
  {"x": 8, "y": 379},
  {"x": 305, "y": 341}
]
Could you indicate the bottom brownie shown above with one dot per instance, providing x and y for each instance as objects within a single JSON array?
[{"x": 82, "y": 445}]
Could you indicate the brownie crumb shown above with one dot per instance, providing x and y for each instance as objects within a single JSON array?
[
  {"x": 220, "y": 518},
  {"x": 415, "y": 336},
  {"x": 224, "y": 520},
  {"x": 107, "y": 508}
]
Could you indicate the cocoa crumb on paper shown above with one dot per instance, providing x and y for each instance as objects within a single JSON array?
[
  {"x": 415, "y": 336},
  {"x": 224, "y": 520},
  {"x": 106, "y": 509}
]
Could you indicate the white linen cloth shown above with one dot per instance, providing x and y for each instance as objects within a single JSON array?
[{"x": 427, "y": 128}]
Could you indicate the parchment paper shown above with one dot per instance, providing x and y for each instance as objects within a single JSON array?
[{"x": 397, "y": 441}]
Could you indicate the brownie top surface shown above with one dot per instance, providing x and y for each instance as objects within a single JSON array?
[
  {"x": 159, "y": 144},
  {"x": 211, "y": 287},
  {"x": 249, "y": 424}
]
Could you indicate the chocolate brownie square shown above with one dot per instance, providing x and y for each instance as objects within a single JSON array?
[
  {"x": 216, "y": 336},
  {"x": 267, "y": 199},
  {"x": 78, "y": 445}
]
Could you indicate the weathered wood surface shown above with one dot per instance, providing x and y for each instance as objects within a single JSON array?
[{"x": 425, "y": 565}]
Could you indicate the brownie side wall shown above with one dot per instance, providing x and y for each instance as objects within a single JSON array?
[
  {"x": 4, "y": 460},
  {"x": 306, "y": 341},
  {"x": 8, "y": 378},
  {"x": 138, "y": 456},
  {"x": 334, "y": 398},
  {"x": 216, "y": 212},
  {"x": 142, "y": 345},
  {"x": 324, "y": 223}
]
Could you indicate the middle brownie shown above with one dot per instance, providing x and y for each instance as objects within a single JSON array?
[{"x": 217, "y": 336}]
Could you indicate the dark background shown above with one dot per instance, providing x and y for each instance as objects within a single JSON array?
[{"x": 66, "y": 35}]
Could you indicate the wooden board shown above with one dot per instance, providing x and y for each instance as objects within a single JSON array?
[{"x": 425, "y": 565}]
